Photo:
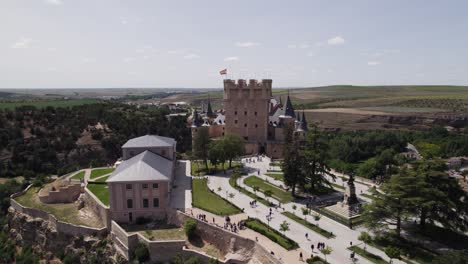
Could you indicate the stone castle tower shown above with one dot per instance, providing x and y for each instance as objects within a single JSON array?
[{"x": 247, "y": 111}]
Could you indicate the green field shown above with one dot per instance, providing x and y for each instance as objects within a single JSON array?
[
  {"x": 103, "y": 179},
  {"x": 46, "y": 103},
  {"x": 233, "y": 183},
  {"x": 198, "y": 168},
  {"x": 276, "y": 176},
  {"x": 277, "y": 193},
  {"x": 272, "y": 234},
  {"x": 101, "y": 191},
  {"x": 205, "y": 199},
  {"x": 99, "y": 172}
]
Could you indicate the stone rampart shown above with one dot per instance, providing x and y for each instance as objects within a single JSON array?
[
  {"x": 60, "y": 226},
  {"x": 100, "y": 210},
  {"x": 63, "y": 194}
]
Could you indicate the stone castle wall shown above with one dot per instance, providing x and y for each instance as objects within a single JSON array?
[
  {"x": 100, "y": 210},
  {"x": 60, "y": 226},
  {"x": 65, "y": 194}
]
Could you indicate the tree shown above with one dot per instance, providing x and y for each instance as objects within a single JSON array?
[
  {"x": 231, "y": 195},
  {"x": 216, "y": 153},
  {"x": 142, "y": 253},
  {"x": 326, "y": 251},
  {"x": 190, "y": 228},
  {"x": 317, "y": 218},
  {"x": 268, "y": 193},
  {"x": 389, "y": 205},
  {"x": 315, "y": 156},
  {"x": 292, "y": 160},
  {"x": 392, "y": 252},
  {"x": 305, "y": 212},
  {"x": 284, "y": 227},
  {"x": 233, "y": 147},
  {"x": 201, "y": 145},
  {"x": 365, "y": 238},
  {"x": 255, "y": 188},
  {"x": 452, "y": 257}
]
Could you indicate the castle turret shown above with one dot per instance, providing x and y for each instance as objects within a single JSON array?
[
  {"x": 304, "y": 124},
  {"x": 289, "y": 108},
  {"x": 209, "y": 111}
]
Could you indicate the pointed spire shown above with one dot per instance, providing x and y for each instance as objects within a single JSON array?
[
  {"x": 195, "y": 119},
  {"x": 209, "y": 111},
  {"x": 304, "y": 125},
  {"x": 289, "y": 108}
]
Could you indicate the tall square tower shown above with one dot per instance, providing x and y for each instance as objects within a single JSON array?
[{"x": 247, "y": 109}]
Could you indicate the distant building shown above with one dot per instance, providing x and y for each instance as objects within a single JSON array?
[
  {"x": 141, "y": 184},
  {"x": 251, "y": 112}
]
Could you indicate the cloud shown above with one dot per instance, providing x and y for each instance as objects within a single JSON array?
[
  {"x": 231, "y": 58},
  {"x": 310, "y": 54},
  {"x": 22, "y": 43},
  {"x": 123, "y": 21},
  {"x": 373, "y": 63},
  {"x": 292, "y": 46},
  {"x": 338, "y": 40},
  {"x": 129, "y": 59},
  {"x": 191, "y": 56},
  {"x": 54, "y": 2},
  {"x": 88, "y": 60},
  {"x": 247, "y": 44},
  {"x": 304, "y": 46},
  {"x": 178, "y": 51}
]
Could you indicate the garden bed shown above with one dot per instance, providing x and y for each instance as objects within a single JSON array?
[
  {"x": 209, "y": 201},
  {"x": 271, "y": 234}
]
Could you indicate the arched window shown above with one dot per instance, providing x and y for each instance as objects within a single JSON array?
[{"x": 129, "y": 203}]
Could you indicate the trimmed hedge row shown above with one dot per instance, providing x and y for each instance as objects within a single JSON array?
[{"x": 272, "y": 234}]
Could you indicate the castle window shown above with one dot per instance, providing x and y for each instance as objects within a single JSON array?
[
  {"x": 223, "y": 133},
  {"x": 246, "y": 138},
  {"x": 128, "y": 186},
  {"x": 235, "y": 112},
  {"x": 129, "y": 203},
  {"x": 255, "y": 113},
  {"x": 145, "y": 203},
  {"x": 245, "y": 125},
  {"x": 155, "y": 185},
  {"x": 155, "y": 202},
  {"x": 245, "y": 113},
  {"x": 256, "y": 125},
  {"x": 145, "y": 186},
  {"x": 235, "y": 121}
]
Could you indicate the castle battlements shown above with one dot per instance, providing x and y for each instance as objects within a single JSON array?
[{"x": 252, "y": 84}]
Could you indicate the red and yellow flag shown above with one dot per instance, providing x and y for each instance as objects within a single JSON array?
[{"x": 223, "y": 72}]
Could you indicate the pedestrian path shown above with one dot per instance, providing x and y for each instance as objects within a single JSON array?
[{"x": 297, "y": 232}]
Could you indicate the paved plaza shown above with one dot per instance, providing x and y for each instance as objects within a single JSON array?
[{"x": 339, "y": 244}]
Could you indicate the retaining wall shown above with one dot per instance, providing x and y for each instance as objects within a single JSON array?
[
  {"x": 100, "y": 210},
  {"x": 60, "y": 226},
  {"x": 65, "y": 194}
]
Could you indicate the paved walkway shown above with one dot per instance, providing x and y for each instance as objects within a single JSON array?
[{"x": 297, "y": 232}]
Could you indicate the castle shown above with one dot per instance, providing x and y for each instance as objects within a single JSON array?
[{"x": 251, "y": 112}]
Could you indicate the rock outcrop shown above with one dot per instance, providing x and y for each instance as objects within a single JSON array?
[{"x": 47, "y": 242}]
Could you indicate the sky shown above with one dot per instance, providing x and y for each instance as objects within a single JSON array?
[{"x": 184, "y": 44}]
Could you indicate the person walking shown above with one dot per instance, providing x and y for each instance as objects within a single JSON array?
[
  {"x": 300, "y": 256},
  {"x": 307, "y": 236}
]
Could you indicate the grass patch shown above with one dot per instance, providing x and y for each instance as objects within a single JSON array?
[
  {"x": 272, "y": 234},
  {"x": 103, "y": 179},
  {"x": 263, "y": 186},
  {"x": 309, "y": 225},
  {"x": 412, "y": 250},
  {"x": 337, "y": 186},
  {"x": 275, "y": 171},
  {"x": 207, "y": 200},
  {"x": 198, "y": 168},
  {"x": 79, "y": 175},
  {"x": 233, "y": 183},
  {"x": 99, "y": 172},
  {"x": 101, "y": 191},
  {"x": 276, "y": 176},
  {"x": 367, "y": 255},
  {"x": 65, "y": 212},
  {"x": 444, "y": 236},
  {"x": 159, "y": 233},
  {"x": 367, "y": 195}
]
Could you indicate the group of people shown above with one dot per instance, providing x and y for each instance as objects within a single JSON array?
[
  {"x": 253, "y": 203},
  {"x": 202, "y": 217},
  {"x": 233, "y": 227}
]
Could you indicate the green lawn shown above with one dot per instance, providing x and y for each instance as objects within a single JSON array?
[
  {"x": 272, "y": 234},
  {"x": 198, "y": 168},
  {"x": 367, "y": 255},
  {"x": 276, "y": 176},
  {"x": 309, "y": 225},
  {"x": 232, "y": 182},
  {"x": 277, "y": 193},
  {"x": 367, "y": 195},
  {"x": 99, "y": 172},
  {"x": 103, "y": 179},
  {"x": 205, "y": 199},
  {"x": 66, "y": 212},
  {"x": 337, "y": 186},
  {"x": 79, "y": 175},
  {"x": 101, "y": 191},
  {"x": 159, "y": 233}
]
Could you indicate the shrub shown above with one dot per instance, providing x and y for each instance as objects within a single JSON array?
[
  {"x": 141, "y": 253},
  {"x": 141, "y": 220},
  {"x": 190, "y": 227},
  {"x": 71, "y": 259}
]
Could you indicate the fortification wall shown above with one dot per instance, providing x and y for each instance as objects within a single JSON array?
[
  {"x": 100, "y": 210},
  {"x": 64, "y": 194}
]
